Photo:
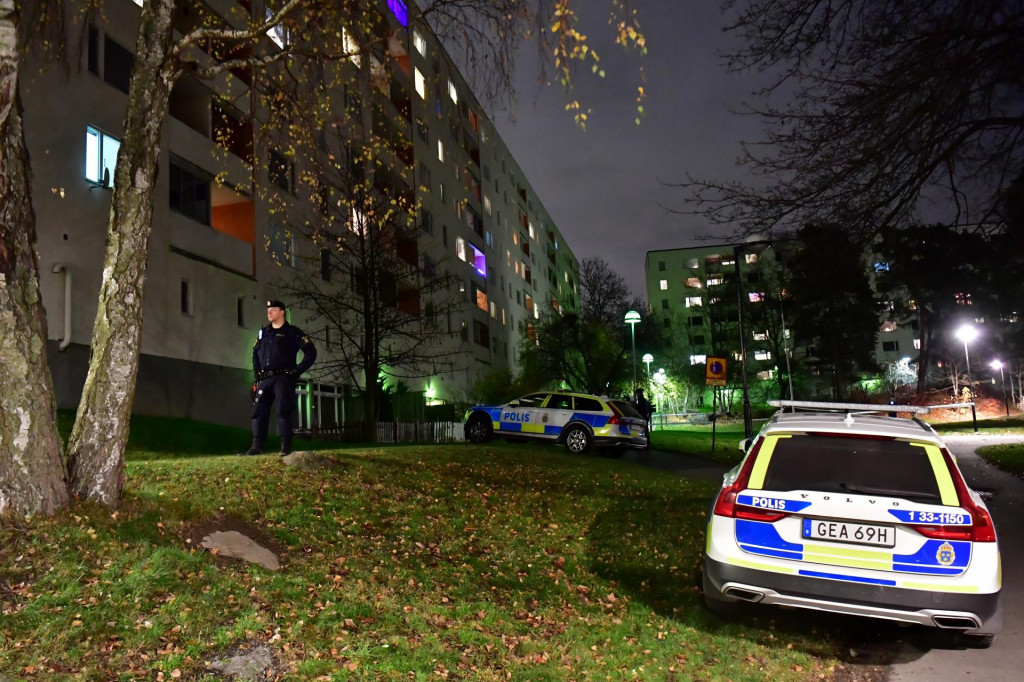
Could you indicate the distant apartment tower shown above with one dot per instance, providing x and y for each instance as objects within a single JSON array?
[
  {"x": 216, "y": 249},
  {"x": 692, "y": 292}
]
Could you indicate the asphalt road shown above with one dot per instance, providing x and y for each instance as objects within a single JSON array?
[{"x": 883, "y": 650}]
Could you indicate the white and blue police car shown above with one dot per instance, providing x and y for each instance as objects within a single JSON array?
[
  {"x": 577, "y": 420},
  {"x": 840, "y": 509}
]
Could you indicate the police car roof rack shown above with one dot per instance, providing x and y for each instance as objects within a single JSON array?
[{"x": 859, "y": 408}]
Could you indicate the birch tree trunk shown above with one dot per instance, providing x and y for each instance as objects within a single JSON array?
[
  {"x": 32, "y": 479},
  {"x": 97, "y": 445}
]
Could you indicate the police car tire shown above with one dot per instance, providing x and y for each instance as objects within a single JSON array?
[
  {"x": 977, "y": 641},
  {"x": 479, "y": 429},
  {"x": 577, "y": 440}
]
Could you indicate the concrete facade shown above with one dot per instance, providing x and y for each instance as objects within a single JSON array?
[{"x": 207, "y": 281}]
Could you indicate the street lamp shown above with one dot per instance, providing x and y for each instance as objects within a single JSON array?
[
  {"x": 632, "y": 317},
  {"x": 648, "y": 359},
  {"x": 967, "y": 333},
  {"x": 998, "y": 364},
  {"x": 754, "y": 245}
]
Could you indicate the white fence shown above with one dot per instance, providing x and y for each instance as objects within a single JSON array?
[{"x": 392, "y": 432}]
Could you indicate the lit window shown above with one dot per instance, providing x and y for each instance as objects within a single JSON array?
[
  {"x": 452, "y": 92},
  {"x": 917, "y": 344},
  {"x": 693, "y": 301},
  {"x": 751, "y": 258},
  {"x": 460, "y": 248},
  {"x": 713, "y": 281},
  {"x": 698, "y": 359},
  {"x": 419, "y": 42},
  {"x": 762, "y": 355},
  {"x": 760, "y": 336},
  {"x": 279, "y": 33},
  {"x": 479, "y": 261},
  {"x": 100, "y": 156},
  {"x": 440, "y": 151},
  {"x": 351, "y": 47},
  {"x": 693, "y": 282},
  {"x": 400, "y": 10},
  {"x": 481, "y": 299},
  {"x": 881, "y": 267},
  {"x": 487, "y": 204},
  {"x": 756, "y": 296},
  {"x": 663, "y": 284},
  {"x": 533, "y": 235},
  {"x": 888, "y": 326},
  {"x": 421, "y": 84}
]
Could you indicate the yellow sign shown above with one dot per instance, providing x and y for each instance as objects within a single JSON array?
[{"x": 714, "y": 374}]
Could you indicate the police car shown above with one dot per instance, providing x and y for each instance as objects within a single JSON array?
[
  {"x": 578, "y": 420},
  {"x": 850, "y": 511}
]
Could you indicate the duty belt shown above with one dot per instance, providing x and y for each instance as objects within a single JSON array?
[{"x": 276, "y": 372}]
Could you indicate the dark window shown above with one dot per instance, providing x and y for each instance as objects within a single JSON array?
[
  {"x": 117, "y": 65},
  {"x": 189, "y": 193},
  {"x": 661, "y": 266},
  {"x": 560, "y": 402},
  {"x": 698, "y": 340},
  {"x": 186, "y": 297},
  {"x": 281, "y": 171},
  {"x": 696, "y": 321},
  {"x": 94, "y": 50},
  {"x": 325, "y": 265},
  {"x": 588, "y": 405},
  {"x": 532, "y": 400},
  {"x": 842, "y": 464},
  {"x": 664, "y": 304},
  {"x": 240, "y": 311},
  {"x": 890, "y": 346}
]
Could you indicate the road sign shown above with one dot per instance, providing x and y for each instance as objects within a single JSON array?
[{"x": 714, "y": 374}]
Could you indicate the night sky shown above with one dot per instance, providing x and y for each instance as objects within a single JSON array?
[{"x": 603, "y": 186}]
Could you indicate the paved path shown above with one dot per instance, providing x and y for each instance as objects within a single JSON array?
[{"x": 918, "y": 660}]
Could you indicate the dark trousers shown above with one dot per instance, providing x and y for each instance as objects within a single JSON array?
[{"x": 279, "y": 389}]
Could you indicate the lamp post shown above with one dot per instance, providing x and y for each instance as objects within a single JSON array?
[
  {"x": 998, "y": 364},
  {"x": 648, "y": 359},
  {"x": 755, "y": 245},
  {"x": 967, "y": 333},
  {"x": 632, "y": 317}
]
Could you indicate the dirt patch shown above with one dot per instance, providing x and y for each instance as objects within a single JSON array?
[{"x": 193, "y": 534}]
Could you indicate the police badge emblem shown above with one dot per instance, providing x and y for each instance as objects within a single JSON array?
[{"x": 945, "y": 555}]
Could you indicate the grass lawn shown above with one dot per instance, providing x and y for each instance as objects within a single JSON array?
[
  {"x": 1007, "y": 457},
  {"x": 415, "y": 563}
]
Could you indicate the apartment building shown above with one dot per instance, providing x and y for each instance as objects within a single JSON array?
[
  {"x": 217, "y": 249},
  {"x": 692, "y": 292}
]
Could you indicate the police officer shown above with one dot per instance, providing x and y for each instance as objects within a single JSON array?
[{"x": 276, "y": 373}]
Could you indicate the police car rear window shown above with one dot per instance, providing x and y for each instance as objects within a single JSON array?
[
  {"x": 862, "y": 466},
  {"x": 588, "y": 405}
]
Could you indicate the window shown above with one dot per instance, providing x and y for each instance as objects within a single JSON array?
[
  {"x": 481, "y": 335},
  {"x": 189, "y": 193},
  {"x": 351, "y": 47},
  {"x": 400, "y": 10},
  {"x": 664, "y": 304},
  {"x": 694, "y": 282},
  {"x": 715, "y": 281},
  {"x": 440, "y": 157},
  {"x": 755, "y": 296},
  {"x": 696, "y": 321},
  {"x": 888, "y": 326},
  {"x": 452, "y": 92},
  {"x": 661, "y": 266},
  {"x": 587, "y": 405},
  {"x": 325, "y": 265},
  {"x": 487, "y": 205},
  {"x": 698, "y": 359},
  {"x": 760, "y": 336},
  {"x": 890, "y": 346},
  {"x": 240, "y": 311},
  {"x": 460, "y": 249},
  {"x": 751, "y": 258},
  {"x": 420, "y": 83},
  {"x": 186, "y": 297},
  {"x": 419, "y": 42},
  {"x": 663, "y": 284},
  {"x": 559, "y": 401},
  {"x": 281, "y": 247},
  {"x": 279, "y": 33},
  {"x": 762, "y": 355},
  {"x": 478, "y": 260},
  {"x": 100, "y": 156},
  {"x": 693, "y": 301},
  {"x": 480, "y": 297},
  {"x": 117, "y": 60},
  {"x": 281, "y": 171}
]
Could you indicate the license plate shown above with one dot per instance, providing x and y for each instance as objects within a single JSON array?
[{"x": 855, "y": 533}]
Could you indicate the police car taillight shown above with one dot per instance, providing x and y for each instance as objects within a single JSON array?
[
  {"x": 982, "y": 528},
  {"x": 725, "y": 503},
  {"x": 614, "y": 419}
]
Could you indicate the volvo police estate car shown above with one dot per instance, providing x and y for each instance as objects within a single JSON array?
[
  {"x": 578, "y": 420},
  {"x": 853, "y": 512}
]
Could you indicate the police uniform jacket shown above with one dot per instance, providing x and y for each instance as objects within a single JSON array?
[{"x": 275, "y": 350}]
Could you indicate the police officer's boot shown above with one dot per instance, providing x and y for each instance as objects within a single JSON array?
[
  {"x": 286, "y": 446},
  {"x": 256, "y": 449}
]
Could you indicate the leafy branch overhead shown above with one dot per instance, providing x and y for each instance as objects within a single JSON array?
[{"x": 876, "y": 110}]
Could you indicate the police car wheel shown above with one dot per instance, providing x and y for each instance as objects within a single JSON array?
[
  {"x": 478, "y": 429},
  {"x": 577, "y": 440}
]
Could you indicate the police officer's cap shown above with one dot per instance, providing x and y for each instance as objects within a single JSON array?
[{"x": 276, "y": 304}]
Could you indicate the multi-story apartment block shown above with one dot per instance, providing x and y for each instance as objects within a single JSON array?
[
  {"x": 216, "y": 248},
  {"x": 692, "y": 291}
]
